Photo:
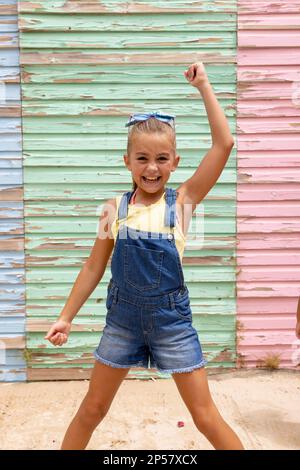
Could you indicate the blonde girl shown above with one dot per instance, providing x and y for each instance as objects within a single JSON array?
[{"x": 149, "y": 319}]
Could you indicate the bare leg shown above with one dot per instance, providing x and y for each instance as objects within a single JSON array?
[
  {"x": 104, "y": 384},
  {"x": 194, "y": 390}
]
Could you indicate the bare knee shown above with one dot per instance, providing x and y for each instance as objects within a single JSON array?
[
  {"x": 91, "y": 412},
  {"x": 205, "y": 419}
]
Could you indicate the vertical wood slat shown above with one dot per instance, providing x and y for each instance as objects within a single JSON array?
[
  {"x": 83, "y": 73},
  {"x": 12, "y": 304},
  {"x": 268, "y": 192}
]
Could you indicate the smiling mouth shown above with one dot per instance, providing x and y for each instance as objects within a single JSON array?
[{"x": 151, "y": 180}]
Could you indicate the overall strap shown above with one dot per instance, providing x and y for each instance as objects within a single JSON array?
[
  {"x": 170, "y": 207},
  {"x": 123, "y": 206}
]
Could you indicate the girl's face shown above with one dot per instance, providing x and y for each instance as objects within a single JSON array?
[{"x": 151, "y": 160}]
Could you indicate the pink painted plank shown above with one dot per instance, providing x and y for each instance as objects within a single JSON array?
[
  {"x": 271, "y": 258},
  {"x": 253, "y": 355},
  {"x": 268, "y": 166},
  {"x": 269, "y": 273},
  {"x": 264, "y": 306},
  {"x": 271, "y": 6},
  {"x": 283, "y": 365},
  {"x": 266, "y": 322},
  {"x": 262, "y": 241},
  {"x": 263, "y": 192},
  {"x": 270, "y": 159},
  {"x": 270, "y": 142},
  {"x": 267, "y": 338},
  {"x": 269, "y": 91},
  {"x": 274, "y": 73},
  {"x": 269, "y": 21},
  {"x": 272, "y": 38},
  {"x": 275, "y": 125},
  {"x": 265, "y": 56},
  {"x": 256, "y": 225},
  {"x": 268, "y": 289},
  {"x": 263, "y": 108},
  {"x": 269, "y": 209},
  {"x": 266, "y": 175},
  {"x": 288, "y": 354}
]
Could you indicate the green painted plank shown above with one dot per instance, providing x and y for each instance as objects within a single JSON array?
[
  {"x": 121, "y": 107},
  {"x": 219, "y": 339},
  {"x": 91, "y": 309},
  {"x": 210, "y": 208},
  {"x": 97, "y": 141},
  {"x": 132, "y": 56},
  {"x": 163, "y": 56},
  {"x": 200, "y": 255},
  {"x": 109, "y": 125},
  {"x": 77, "y": 244},
  {"x": 131, "y": 23},
  {"x": 72, "y": 225},
  {"x": 201, "y": 289},
  {"x": 78, "y": 91},
  {"x": 189, "y": 158},
  {"x": 226, "y": 73},
  {"x": 90, "y": 175},
  {"x": 123, "y": 6},
  {"x": 116, "y": 39},
  {"x": 67, "y": 275},
  {"x": 82, "y": 191}
]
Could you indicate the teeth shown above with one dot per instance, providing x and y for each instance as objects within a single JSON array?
[{"x": 151, "y": 179}]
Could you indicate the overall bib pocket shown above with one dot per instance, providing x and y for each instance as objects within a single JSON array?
[{"x": 142, "y": 267}]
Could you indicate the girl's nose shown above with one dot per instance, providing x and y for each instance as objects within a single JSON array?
[{"x": 152, "y": 166}]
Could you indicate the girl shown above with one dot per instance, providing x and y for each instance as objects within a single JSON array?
[{"x": 148, "y": 309}]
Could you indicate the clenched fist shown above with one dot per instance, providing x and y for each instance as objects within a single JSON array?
[
  {"x": 196, "y": 75},
  {"x": 58, "y": 332}
]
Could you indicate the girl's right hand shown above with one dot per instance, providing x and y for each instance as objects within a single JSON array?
[{"x": 58, "y": 333}]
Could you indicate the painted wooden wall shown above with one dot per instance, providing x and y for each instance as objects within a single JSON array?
[
  {"x": 12, "y": 303},
  {"x": 268, "y": 281},
  {"x": 85, "y": 67}
]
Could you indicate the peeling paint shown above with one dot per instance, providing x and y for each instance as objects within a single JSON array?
[
  {"x": 80, "y": 73},
  {"x": 12, "y": 321},
  {"x": 267, "y": 191}
]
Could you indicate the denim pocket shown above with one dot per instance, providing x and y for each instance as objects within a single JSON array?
[
  {"x": 109, "y": 300},
  {"x": 142, "y": 267},
  {"x": 182, "y": 307}
]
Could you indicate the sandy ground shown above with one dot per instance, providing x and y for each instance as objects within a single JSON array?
[{"x": 261, "y": 406}]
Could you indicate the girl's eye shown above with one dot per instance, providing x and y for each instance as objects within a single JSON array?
[{"x": 160, "y": 158}]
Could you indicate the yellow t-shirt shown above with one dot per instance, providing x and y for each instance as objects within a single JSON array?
[{"x": 149, "y": 219}]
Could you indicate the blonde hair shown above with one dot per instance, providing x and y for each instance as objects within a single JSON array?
[{"x": 150, "y": 125}]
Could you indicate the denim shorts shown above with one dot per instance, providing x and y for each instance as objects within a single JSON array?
[{"x": 154, "y": 332}]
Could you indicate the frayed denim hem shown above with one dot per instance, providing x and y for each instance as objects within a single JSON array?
[
  {"x": 187, "y": 369},
  {"x": 113, "y": 364}
]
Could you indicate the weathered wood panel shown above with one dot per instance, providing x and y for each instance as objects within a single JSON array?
[
  {"x": 268, "y": 210},
  {"x": 12, "y": 298},
  {"x": 85, "y": 67},
  {"x": 123, "y": 6}
]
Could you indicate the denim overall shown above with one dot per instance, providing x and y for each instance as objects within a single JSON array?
[{"x": 149, "y": 318}]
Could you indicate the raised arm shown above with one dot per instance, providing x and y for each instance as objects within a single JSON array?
[{"x": 194, "y": 189}]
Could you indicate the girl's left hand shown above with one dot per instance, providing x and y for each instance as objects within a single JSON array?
[{"x": 196, "y": 74}]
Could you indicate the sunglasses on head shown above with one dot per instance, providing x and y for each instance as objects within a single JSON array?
[{"x": 139, "y": 117}]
